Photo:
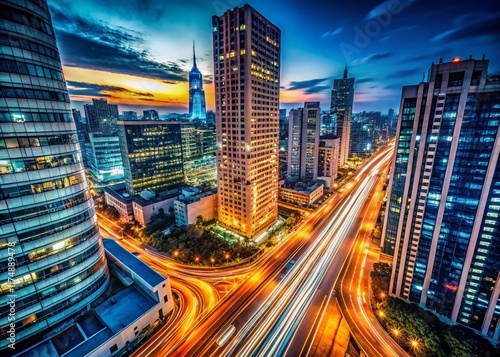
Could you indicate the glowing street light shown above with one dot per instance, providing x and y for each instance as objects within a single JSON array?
[
  {"x": 227, "y": 258},
  {"x": 197, "y": 259},
  {"x": 381, "y": 313},
  {"x": 176, "y": 253},
  {"x": 212, "y": 260}
]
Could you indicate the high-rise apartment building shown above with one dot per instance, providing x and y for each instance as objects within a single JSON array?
[
  {"x": 151, "y": 154},
  {"x": 246, "y": 64},
  {"x": 197, "y": 106},
  {"x": 101, "y": 117},
  {"x": 51, "y": 253},
  {"x": 341, "y": 109},
  {"x": 328, "y": 159},
  {"x": 303, "y": 142},
  {"x": 442, "y": 221}
]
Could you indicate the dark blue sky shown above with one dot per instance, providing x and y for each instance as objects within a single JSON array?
[{"x": 137, "y": 52}]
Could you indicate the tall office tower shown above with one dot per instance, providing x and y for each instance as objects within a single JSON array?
[
  {"x": 197, "y": 106},
  {"x": 104, "y": 158},
  {"x": 129, "y": 115},
  {"x": 101, "y": 117},
  {"x": 328, "y": 159},
  {"x": 151, "y": 154},
  {"x": 246, "y": 64},
  {"x": 341, "y": 109},
  {"x": 150, "y": 114},
  {"x": 444, "y": 195},
  {"x": 303, "y": 143},
  {"x": 211, "y": 118},
  {"x": 46, "y": 212}
]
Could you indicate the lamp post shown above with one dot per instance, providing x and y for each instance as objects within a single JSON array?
[
  {"x": 197, "y": 259},
  {"x": 227, "y": 258},
  {"x": 212, "y": 260}
]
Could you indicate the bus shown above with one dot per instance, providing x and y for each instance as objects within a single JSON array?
[{"x": 225, "y": 335}]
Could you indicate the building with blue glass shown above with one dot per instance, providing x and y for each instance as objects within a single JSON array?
[
  {"x": 442, "y": 220},
  {"x": 197, "y": 106},
  {"x": 52, "y": 260}
]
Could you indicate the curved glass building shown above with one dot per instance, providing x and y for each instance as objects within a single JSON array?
[{"x": 52, "y": 260}]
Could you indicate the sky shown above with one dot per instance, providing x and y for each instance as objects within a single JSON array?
[{"x": 137, "y": 53}]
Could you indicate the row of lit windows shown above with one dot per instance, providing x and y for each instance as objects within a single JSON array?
[
  {"x": 21, "y": 117},
  {"x": 24, "y": 142},
  {"x": 37, "y": 163},
  {"x": 21, "y": 17}
]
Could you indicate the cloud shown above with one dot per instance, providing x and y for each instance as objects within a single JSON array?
[
  {"x": 294, "y": 85},
  {"x": 97, "y": 90},
  {"x": 372, "y": 57},
  {"x": 316, "y": 89},
  {"x": 332, "y": 33},
  {"x": 96, "y": 45},
  {"x": 365, "y": 80},
  {"x": 386, "y": 5},
  {"x": 487, "y": 25}
]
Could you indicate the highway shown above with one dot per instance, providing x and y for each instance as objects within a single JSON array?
[{"x": 267, "y": 308}]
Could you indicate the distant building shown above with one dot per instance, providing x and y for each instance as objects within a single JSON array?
[
  {"x": 101, "y": 117},
  {"x": 341, "y": 109},
  {"x": 192, "y": 204},
  {"x": 118, "y": 197},
  {"x": 300, "y": 193},
  {"x": 151, "y": 114},
  {"x": 197, "y": 106},
  {"x": 327, "y": 123},
  {"x": 151, "y": 154},
  {"x": 328, "y": 159},
  {"x": 129, "y": 115},
  {"x": 149, "y": 203},
  {"x": 105, "y": 158},
  {"x": 247, "y": 123},
  {"x": 211, "y": 118},
  {"x": 303, "y": 143},
  {"x": 442, "y": 221}
]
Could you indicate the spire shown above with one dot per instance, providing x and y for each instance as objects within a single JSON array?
[
  {"x": 194, "y": 56},
  {"x": 345, "y": 71}
]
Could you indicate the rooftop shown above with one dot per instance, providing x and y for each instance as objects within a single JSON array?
[
  {"x": 165, "y": 195},
  {"x": 133, "y": 263}
]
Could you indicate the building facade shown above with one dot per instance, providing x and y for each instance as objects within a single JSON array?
[
  {"x": 189, "y": 206},
  {"x": 301, "y": 194},
  {"x": 197, "y": 106},
  {"x": 303, "y": 143},
  {"x": 101, "y": 117},
  {"x": 129, "y": 115},
  {"x": 442, "y": 221},
  {"x": 152, "y": 155},
  {"x": 47, "y": 216},
  {"x": 341, "y": 109},
  {"x": 246, "y": 64},
  {"x": 328, "y": 159},
  {"x": 151, "y": 114},
  {"x": 105, "y": 158}
]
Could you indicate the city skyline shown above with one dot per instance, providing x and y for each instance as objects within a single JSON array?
[{"x": 144, "y": 59}]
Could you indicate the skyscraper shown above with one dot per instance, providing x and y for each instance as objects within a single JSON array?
[
  {"x": 151, "y": 154},
  {"x": 197, "y": 106},
  {"x": 341, "y": 109},
  {"x": 47, "y": 216},
  {"x": 101, "y": 117},
  {"x": 150, "y": 114},
  {"x": 303, "y": 143},
  {"x": 444, "y": 195},
  {"x": 328, "y": 159},
  {"x": 246, "y": 65}
]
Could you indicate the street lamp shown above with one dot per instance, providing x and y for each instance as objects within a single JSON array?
[
  {"x": 227, "y": 258},
  {"x": 212, "y": 260},
  {"x": 396, "y": 333},
  {"x": 381, "y": 313},
  {"x": 176, "y": 253},
  {"x": 197, "y": 259}
]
